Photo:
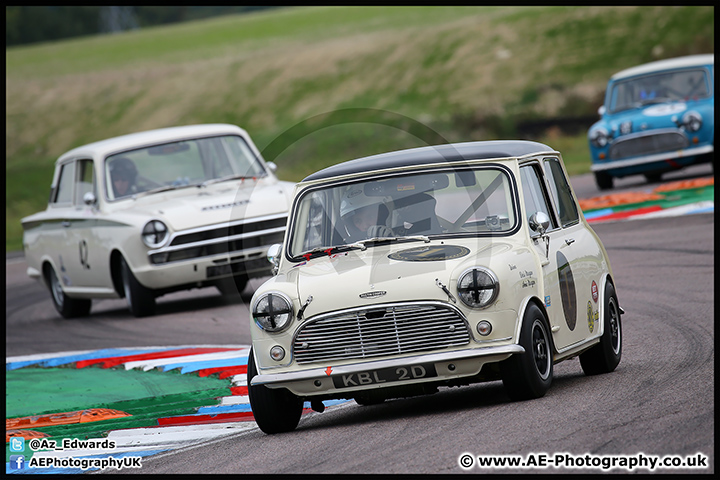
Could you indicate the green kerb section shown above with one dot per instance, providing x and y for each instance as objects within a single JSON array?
[
  {"x": 675, "y": 198},
  {"x": 35, "y": 391},
  {"x": 146, "y": 396}
]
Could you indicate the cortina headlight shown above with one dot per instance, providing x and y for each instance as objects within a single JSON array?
[
  {"x": 273, "y": 312},
  {"x": 599, "y": 137},
  {"x": 154, "y": 234},
  {"x": 692, "y": 121},
  {"x": 478, "y": 287}
]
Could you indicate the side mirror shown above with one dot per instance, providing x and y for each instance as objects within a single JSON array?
[
  {"x": 89, "y": 199},
  {"x": 601, "y": 110},
  {"x": 539, "y": 222},
  {"x": 273, "y": 256},
  {"x": 272, "y": 166}
]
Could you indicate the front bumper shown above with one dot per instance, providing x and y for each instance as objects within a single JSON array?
[
  {"x": 448, "y": 366},
  {"x": 205, "y": 270},
  {"x": 653, "y": 158}
]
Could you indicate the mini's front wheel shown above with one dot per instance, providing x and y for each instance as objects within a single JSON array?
[
  {"x": 276, "y": 410},
  {"x": 529, "y": 375}
]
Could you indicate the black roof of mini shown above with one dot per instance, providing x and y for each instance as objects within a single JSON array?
[{"x": 433, "y": 154}]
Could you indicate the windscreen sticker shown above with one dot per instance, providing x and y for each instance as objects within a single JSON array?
[{"x": 430, "y": 254}]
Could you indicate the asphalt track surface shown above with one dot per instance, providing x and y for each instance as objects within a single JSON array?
[{"x": 658, "y": 402}]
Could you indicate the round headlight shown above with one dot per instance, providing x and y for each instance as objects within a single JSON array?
[
  {"x": 154, "y": 234},
  {"x": 478, "y": 287},
  {"x": 692, "y": 121},
  {"x": 273, "y": 312},
  {"x": 599, "y": 137}
]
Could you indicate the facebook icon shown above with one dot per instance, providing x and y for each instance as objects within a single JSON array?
[{"x": 17, "y": 462}]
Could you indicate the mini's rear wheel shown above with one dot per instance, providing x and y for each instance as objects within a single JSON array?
[{"x": 605, "y": 356}]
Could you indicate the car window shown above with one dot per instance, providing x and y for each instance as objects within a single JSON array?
[
  {"x": 560, "y": 190},
  {"x": 478, "y": 201},
  {"x": 86, "y": 180},
  {"x": 673, "y": 85},
  {"x": 64, "y": 189},
  {"x": 177, "y": 164},
  {"x": 310, "y": 218},
  {"x": 535, "y": 197}
]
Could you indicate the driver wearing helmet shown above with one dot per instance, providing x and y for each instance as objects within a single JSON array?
[
  {"x": 363, "y": 217},
  {"x": 123, "y": 174}
]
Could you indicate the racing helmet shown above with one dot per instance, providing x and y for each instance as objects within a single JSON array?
[
  {"x": 123, "y": 166},
  {"x": 354, "y": 199}
]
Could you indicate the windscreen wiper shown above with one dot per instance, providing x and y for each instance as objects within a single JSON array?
[
  {"x": 392, "y": 239},
  {"x": 361, "y": 244},
  {"x": 652, "y": 101},
  {"x": 329, "y": 250},
  {"x": 222, "y": 179},
  {"x": 163, "y": 188}
]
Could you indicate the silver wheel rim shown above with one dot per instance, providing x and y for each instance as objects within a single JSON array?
[
  {"x": 56, "y": 289},
  {"x": 126, "y": 283},
  {"x": 540, "y": 349},
  {"x": 614, "y": 325}
]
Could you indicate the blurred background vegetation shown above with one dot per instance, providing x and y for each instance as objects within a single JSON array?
[
  {"x": 315, "y": 86},
  {"x": 34, "y": 24}
]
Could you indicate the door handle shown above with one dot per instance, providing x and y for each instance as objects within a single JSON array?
[
  {"x": 568, "y": 241},
  {"x": 66, "y": 223}
]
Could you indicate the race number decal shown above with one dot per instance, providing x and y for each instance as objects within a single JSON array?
[{"x": 567, "y": 291}]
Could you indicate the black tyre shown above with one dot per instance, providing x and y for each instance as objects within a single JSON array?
[
  {"x": 66, "y": 306},
  {"x": 603, "y": 180},
  {"x": 653, "y": 177},
  {"x": 529, "y": 375},
  {"x": 605, "y": 356},
  {"x": 140, "y": 299},
  {"x": 232, "y": 286},
  {"x": 369, "y": 398},
  {"x": 276, "y": 410}
]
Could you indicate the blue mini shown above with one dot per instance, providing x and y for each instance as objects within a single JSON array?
[{"x": 656, "y": 118}]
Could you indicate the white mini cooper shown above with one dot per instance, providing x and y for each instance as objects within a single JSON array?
[
  {"x": 436, "y": 266},
  {"x": 149, "y": 213}
]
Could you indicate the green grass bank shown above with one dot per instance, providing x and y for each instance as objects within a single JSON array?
[{"x": 357, "y": 80}]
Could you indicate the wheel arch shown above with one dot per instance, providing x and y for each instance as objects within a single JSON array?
[
  {"x": 606, "y": 279},
  {"x": 45, "y": 269},
  {"x": 116, "y": 272},
  {"x": 534, "y": 300}
]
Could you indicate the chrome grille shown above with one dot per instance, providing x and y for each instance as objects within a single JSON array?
[
  {"x": 229, "y": 238},
  {"x": 378, "y": 331},
  {"x": 230, "y": 230},
  {"x": 647, "y": 144}
]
